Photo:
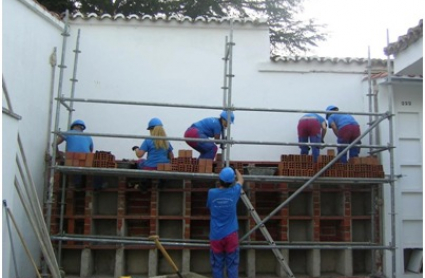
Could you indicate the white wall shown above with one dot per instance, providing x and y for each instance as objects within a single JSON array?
[
  {"x": 29, "y": 36},
  {"x": 408, "y": 170},
  {"x": 181, "y": 63}
]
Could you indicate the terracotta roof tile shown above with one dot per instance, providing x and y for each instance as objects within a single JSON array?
[
  {"x": 403, "y": 42},
  {"x": 348, "y": 60},
  {"x": 254, "y": 21}
]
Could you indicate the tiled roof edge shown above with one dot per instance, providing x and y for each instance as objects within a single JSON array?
[
  {"x": 335, "y": 60},
  {"x": 403, "y": 42},
  {"x": 255, "y": 21},
  {"x": 385, "y": 74}
]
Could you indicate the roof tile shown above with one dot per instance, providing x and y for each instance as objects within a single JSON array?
[{"x": 403, "y": 42}]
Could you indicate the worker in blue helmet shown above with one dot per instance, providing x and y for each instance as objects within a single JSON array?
[
  {"x": 76, "y": 142},
  {"x": 211, "y": 127},
  {"x": 224, "y": 240},
  {"x": 346, "y": 129},
  {"x": 311, "y": 127},
  {"x": 158, "y": 150}
]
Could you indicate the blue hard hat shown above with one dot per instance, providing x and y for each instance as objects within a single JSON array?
[
  {"x": 80, "y": 123},
  {"x": 223, "y": 115},
  {"x": 154, "y": 122},
  {"x": 227, "y": 175},
  {"x": 331, "y": 108}
]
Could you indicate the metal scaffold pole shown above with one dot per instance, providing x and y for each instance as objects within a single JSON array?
[
  {"x": 62, "y": 66},
  {"x": 74, "y": 79},
  {"x": 391, "y": 153}
]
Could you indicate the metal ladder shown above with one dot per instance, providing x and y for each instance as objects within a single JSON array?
[{"x": 266, "y": 234}]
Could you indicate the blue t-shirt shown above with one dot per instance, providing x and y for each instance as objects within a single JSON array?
[
  {"x": 77, "y": 143},
  {"x": 341, "y": 120},
  {"x": 155, "y": 155},
  {"x": 209, "y": 126},
  {"x": 314, "y": 115},
  {"x": 222, "y": 204}
]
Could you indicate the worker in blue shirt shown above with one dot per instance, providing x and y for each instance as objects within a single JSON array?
[
  {"x": 158, "y": 150},
  {"x": 224, "y": 240},
  {"x": 79, "y": 144},
  {"x": 346, "y": 130},
  {"x": 76, "y": 143},
  {"x": 311, "y": 127},
  {"x": 208, "y": 128}
]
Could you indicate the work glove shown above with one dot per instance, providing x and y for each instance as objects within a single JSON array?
[{"x": 134, "y": 148}]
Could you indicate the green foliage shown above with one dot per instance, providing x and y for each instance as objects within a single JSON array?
[{"x": 287, "y": 35}]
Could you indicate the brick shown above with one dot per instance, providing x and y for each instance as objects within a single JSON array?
[
  {"x": 89, "y": 160},
  {"x": 330, "y": 152}
]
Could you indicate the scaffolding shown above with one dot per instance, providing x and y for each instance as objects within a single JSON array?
[{"x": 226, "y": 141}]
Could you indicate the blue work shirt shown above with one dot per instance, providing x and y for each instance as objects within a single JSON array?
[
  {"x": 154, "y": 155},
  {"x": 77, "y": 143},
  {"x": 341, "y": 120},
  {"x": 222, "y": 203},
  {"x": 209, "y": 126},
  {"x": 314, "y": 115}
]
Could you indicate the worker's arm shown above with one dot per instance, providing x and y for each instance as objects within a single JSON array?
[
  {"x": 59, "y": 141},
  {"x": 324, "y": 129},
  {"x": 335, "y": 129},
  {"x": 170, "y": 155},
  {"x": 139, "y": 153},
  {"x": 239, "y": 178}
]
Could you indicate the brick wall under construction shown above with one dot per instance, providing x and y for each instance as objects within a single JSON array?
[{"x": 335, "y": 214}]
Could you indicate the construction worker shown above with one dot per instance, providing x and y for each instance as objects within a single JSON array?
[
  {"x": 224, "y": 239},
  {"x": 76, "y": 143},
  {"x": 208, "y": 128},
  {"x": 79, "y": 144},
  {"x": 346, "y": 130},
  {"x": 311, "y": 127},
  {"x": 159, "y": 150}
]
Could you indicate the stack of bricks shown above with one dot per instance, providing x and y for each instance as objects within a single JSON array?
[
  {"x": 303, "y": 166},
  {"x": 104, "y": 160},
  {"x": 186, "y": 163},
  {"x": 79, "y": 159},
  {"x": 296, "y": 165}
]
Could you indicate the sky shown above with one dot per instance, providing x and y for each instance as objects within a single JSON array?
[{"x": 355, "y": 25}]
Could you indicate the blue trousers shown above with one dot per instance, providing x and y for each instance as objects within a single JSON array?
[{"x": 230, "y": 260}]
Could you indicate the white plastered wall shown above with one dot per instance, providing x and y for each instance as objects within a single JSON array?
[
  {"x": 408, "y": 191},
  {"x": 181, "y": 63},
  {"x": 29, "y": 37}
]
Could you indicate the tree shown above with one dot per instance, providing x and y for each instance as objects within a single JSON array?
[{"x": 287, "y": 34}]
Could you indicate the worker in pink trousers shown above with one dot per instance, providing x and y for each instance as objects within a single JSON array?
[
  {"x": 346, "y": 130},
  {"x": 224, "y": 240},
  {"x": 311, "y": 127},
  {"x": 208, "y": 128}
]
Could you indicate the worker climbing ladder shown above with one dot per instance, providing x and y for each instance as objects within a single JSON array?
[
  {"x": 266, "y": 234},
  {"x": 227, "y": 94}
]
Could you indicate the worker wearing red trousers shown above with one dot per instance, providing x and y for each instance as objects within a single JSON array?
[
  {"x": 346, "y": 130},
  {"x": 311, "y": 127},
  {"x": 208, "y": 128},
  {"x": 224, "y": 239}
]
